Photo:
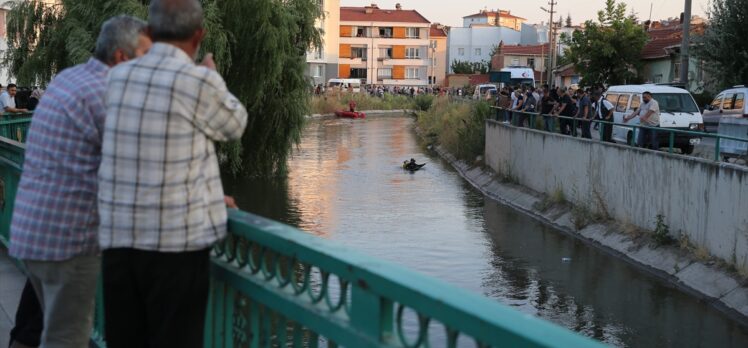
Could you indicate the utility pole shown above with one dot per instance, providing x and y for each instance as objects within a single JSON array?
[
  {"x": 551, "y": 39},
  {"x": 685, "y": 44}
]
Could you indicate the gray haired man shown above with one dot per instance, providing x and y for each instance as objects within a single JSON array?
[
  {"x": 55, "y": 223},
  {"x": 161, "y": 201}
]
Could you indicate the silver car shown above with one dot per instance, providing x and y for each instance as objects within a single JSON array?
[{"x": 728, "y": 103}]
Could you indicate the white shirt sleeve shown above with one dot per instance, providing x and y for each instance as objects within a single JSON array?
[{"x": 4, "y": 101}]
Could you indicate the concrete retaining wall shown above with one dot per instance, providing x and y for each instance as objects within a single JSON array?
[{"x": 706, "y": 201}]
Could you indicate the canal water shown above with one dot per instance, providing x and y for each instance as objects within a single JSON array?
[{"x": 345, "y": 183}]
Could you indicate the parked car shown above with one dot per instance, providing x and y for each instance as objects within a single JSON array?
[
  {"x": 678, "y": 110},
  {"x": 728, "y": 103},
  {"x": 484, "y": 91}
]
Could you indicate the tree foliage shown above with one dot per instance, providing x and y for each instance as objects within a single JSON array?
[
  {"x": 724, "y": 43},
  {"x": 259, "y": 47},
  {"x": 465, "y": 67},
  {"x": 607, "y": 51}
]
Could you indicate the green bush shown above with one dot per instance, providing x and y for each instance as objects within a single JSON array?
[
  {"x": 423, "y": 102},
  {"x": 331, "y": 103},
  {"x": 458, "y": 127}
]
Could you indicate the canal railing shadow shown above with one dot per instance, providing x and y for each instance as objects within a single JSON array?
[{"x": 275, "y": 285}]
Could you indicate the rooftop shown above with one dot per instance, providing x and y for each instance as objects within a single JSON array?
[
  {"x": 530, "y": 50},
  {"x": 375, "y": 14},
  {"x": 661, "y": 38},
  {"x": 500, "y": 13},
  {"x": 436, "y": 31}
]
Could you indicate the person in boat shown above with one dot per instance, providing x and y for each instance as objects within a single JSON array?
[{"x": 352, "y": 105}]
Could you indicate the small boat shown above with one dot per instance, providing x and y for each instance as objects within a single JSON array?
[
  {"x": 413, "y": 167},
  {"x": 350, "y": 114}
]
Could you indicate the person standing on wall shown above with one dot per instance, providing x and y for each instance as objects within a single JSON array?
[
  {"x": 161, "y": 201},
  {"x": 55, "y": 224},
  {"x": 649, "y": 116}
]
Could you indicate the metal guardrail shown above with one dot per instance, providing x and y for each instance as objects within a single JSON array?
[
  {"x": 15, "y": 129},
  {"x": 275, "y": 286},
  {"x": 671, "y": 134}
]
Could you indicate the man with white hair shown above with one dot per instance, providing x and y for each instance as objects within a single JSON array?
[
  {"x": 55, "y": 224},
  {"x": 161, "y": 201}
]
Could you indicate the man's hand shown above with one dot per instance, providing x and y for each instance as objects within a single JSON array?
[
  {"x": 230, "y": 202},
  {"x": 208, "y": 62}
]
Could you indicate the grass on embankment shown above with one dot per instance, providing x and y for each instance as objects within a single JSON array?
[
  {"x": 331, "y": 103},
  {"x": 458, "y": 127}
]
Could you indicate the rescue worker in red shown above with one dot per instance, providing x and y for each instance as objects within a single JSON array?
[{"x": 352, "y": 105}]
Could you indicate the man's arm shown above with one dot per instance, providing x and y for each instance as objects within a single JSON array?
[
  {"x": 10, "y": 109},
  {"x": 561, "y": 109},
  {"x": 220, "y": 115}
]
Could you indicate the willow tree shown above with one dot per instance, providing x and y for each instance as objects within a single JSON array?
[{"x": 259, "y": 47}]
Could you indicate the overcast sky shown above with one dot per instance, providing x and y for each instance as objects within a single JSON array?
[{"x": 450, "y": 12}]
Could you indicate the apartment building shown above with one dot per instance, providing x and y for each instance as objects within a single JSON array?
[
  {"x": 384, "y": 46},
  {"x": 438, "y": 53},
  {"x": 323, "y": 62}
]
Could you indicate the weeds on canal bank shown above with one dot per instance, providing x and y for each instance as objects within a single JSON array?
[
  {"x": 458, "y": 127},
  {"x": 330, "y": 103}
]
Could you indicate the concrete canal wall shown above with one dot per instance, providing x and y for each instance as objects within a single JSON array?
[{"x": 703, "y": 200}]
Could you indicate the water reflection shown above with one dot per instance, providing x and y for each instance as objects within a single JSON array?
[{"x": 345, "y": 183}]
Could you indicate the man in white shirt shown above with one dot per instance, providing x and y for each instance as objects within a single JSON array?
[
  {"x": 604, "y": 111},
  {"x": 8, "y": 100},
  {"x": 649, "y": 115}
]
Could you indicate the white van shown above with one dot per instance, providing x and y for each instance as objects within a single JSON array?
[
  {"x": 678, "y": 110},
  {"x": 344, "y": 85},
  {"x": 485, "y": 91}
]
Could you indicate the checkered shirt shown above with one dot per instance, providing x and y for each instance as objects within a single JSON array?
[
  {"x": 55, "y": 216},
  {"x": 159, "y": 183}
]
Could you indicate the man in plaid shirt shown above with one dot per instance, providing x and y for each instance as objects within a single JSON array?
[
  {"x": 55, "y": 223},
  {"x": 161, "y": 201}
]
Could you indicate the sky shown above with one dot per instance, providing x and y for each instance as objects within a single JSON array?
[{"x": 450, "y": 12}]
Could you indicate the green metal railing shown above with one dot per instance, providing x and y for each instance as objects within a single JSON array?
[
  {"x": 275, "y": 286},
  {"x": 15, "y": 129},
  {"x": 671, "y": 134}
]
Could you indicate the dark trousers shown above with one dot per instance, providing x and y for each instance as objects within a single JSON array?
[
  {"x": 607, "y": 132},
  {"x": 155, "y": 299},
  {"x": 567, "y": 127},
  {"x": 585, "y": 125},
  {"x": 29, "y": 319},
  {"x": 648, "y": 138}
]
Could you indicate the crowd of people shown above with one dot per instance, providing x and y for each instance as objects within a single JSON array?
[
  {"x": 121, "y": 180},
  {"x": 582, "y": 107},
  {"x": 381, "y": 90}
]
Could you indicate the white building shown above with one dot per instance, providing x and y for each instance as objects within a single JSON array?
[
  {"x": 384, "y": 46},
  {"x": 475, "y": 44},
  {"x": 323, "y": 63}
]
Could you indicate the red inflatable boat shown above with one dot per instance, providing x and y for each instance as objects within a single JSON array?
[{"x": 350, "y": 114}]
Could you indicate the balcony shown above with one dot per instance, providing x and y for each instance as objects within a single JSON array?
[{"x": 276, "y": 286}]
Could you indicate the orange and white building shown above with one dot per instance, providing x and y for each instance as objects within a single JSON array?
[{"x": 384, "y": 46}]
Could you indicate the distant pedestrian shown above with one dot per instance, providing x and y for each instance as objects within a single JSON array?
[
  {"x": 565, "y": 108},
  {"x": 528, "y": 108},
  {"x": 547, "y": 106},
  {"x": 585, "y": 114},
  {"x": 518, "y": 106},
  {"x": 8, "y": 100},
  {"x": 649, "y": 116}
]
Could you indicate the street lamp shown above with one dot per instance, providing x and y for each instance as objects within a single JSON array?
[{"x": 551, "y": 38}]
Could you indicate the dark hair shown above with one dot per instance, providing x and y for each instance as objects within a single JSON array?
[
  {"x": 11, "y": 85},
  {"x": 647, "y": 93}
]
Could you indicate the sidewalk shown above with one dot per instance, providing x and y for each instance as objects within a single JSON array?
[{"x": 11, "y": 285}]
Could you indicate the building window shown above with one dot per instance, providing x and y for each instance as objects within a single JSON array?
[
  {"x": 411, "y": 73},
  {"x": 515, "y": 61},
  {"x": 318, "y": 54},
  {"x": 384, "y": 73},
  {"x": 413, "y": 33},
  {"x": 478, "y": 51},
  {"x": 433, "y": 44},
  {"x": 461, "y": 51},
  {"x": 385, "y": 53},
  {"x": 676, "y": 72},
  {"x": 385, "y": 32},
  {"x": 412, "y": 52},
  {"x": 358, "y": 73},
  {"x": 531, "y": 62},
  {"x": 361, "y": 31},
  {"x": 657, "y": 78},
  {"x": 358, "y": 52}
]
